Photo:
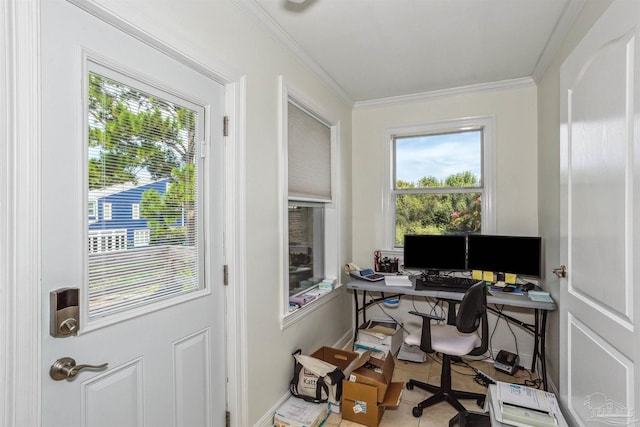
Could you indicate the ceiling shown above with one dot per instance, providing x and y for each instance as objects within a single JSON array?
[{"x": 378, "y": 49}]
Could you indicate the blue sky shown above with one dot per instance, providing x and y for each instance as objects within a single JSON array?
[{"x": 438, "y": 155}]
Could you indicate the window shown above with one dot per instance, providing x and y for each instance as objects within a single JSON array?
[
  {"x": 439, "y": 182},
  {"x": 92, "y": 210},
  {"x": 107, "y": 211},
  {"x": 135, "y": 211},
  {"x": 306, "y": 246},
  {"x": 309, "y": 188},
  {"x": 310, "y": 210},
  {"x": 142, "y": 158},
  {"x": 141, "y": 237}
]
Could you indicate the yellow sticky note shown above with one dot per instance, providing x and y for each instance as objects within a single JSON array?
[
  {"x": 510, "y": 278},
  {"x": 487, "y": 276},
  {"x": 476, "y": 274}
]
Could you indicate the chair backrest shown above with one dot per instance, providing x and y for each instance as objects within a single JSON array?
[{"x": 472, "y": 314}]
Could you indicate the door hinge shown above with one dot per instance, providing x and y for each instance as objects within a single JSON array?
[
  {"x": 228, "y": 419},
  {"x": 225, "y": 272},
  {"x": 225, "y": 126}
]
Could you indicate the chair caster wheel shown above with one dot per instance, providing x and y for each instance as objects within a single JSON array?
[
  {"x": 417, "y": 412},
  {"x": 480, "y": 402},
  {"x": 409, "y": 386}
]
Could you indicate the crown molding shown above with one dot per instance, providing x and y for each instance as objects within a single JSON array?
[
  {"x": 267, "y": 23},
  {"x": 560, "y": 31},
  {"x": 443, "y": 93}
]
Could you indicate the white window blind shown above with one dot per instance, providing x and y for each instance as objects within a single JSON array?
[
  {"x": 141, "y": 157},
  {"x": 309, "y": 155}
]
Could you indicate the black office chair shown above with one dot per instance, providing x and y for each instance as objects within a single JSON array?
[{"x": 461, "y": 339}]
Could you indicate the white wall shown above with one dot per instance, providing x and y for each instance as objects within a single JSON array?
[
  {"x": 549, "y": 169},
  {"x": 219, "y": 32},
  {"x": 514, "y": 110}
]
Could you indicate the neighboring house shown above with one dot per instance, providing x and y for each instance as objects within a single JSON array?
[{"x": 115, "y": 220}]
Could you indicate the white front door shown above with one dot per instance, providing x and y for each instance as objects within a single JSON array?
[
  {"x": 132, "y": 208},
  {"x": 600, "y": 205}
]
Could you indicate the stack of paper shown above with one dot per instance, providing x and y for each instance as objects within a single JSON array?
[{"x": 411, "y": 353}]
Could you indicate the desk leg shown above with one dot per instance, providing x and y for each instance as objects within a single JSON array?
[
  {"x": 355, "y": 298},
  {"x": 540, "y": 345},
  {"x": 536, "y": 339},
  {"x": 543, "y": 356}
]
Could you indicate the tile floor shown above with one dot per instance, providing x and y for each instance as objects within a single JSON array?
[{"x": 440, "y": 414}]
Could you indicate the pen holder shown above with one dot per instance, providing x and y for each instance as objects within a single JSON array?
[{"x": 386, "y": 266}]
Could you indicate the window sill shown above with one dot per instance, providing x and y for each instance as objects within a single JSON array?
[{"x": 323, "y": 298}]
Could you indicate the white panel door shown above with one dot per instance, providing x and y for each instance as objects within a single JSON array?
[
  {"x": 600, "y": 207},
  {"x": 166, "y": 363}
]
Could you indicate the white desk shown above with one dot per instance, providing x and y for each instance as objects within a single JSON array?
[{"x": 540, "y": 309}]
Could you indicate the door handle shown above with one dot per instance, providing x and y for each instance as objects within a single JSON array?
[
  {"x": 66, "y": 368},
  {"x": 561, "y": 272}
]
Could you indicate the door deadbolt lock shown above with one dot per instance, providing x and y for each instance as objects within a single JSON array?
[{"x": 65, "y": 312}]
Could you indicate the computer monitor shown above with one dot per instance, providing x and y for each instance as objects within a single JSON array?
[
  {"x": 430, "y": 252},
  {"x": 505, "y": 254}
]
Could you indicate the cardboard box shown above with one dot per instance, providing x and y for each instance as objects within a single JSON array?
[
  {"x": 374, "y": 372},
  {"x": 381, "y": 334},
  {"x": 369, "y": 390},
  {"x": 297, "y": 412},
  {"x": 362, "y": 347},
  {"x": 345, "y": 360},
  {"x": 359, "y": 402}
]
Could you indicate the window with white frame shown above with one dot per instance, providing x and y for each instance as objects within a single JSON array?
[
  {"x": 141, "y": 237},
  {"x": 309, "y": 190},
  {"x": 131, "y": 267},
  {"x": 135, "y": 211},
  {"x": 106, "y": 211},
  {"x": 441, "y": 179},
  {"x": 92, "y": 210}
]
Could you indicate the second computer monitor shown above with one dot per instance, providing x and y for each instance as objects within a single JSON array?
[
  {"x": 505, "y": 254},
  {"x": 430, "y": 252}
]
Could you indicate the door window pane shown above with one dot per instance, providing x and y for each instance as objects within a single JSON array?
[{"x": 143, "y": 170}]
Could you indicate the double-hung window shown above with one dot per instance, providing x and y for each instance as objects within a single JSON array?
[
  {"x": 309, "y": 189},
  {"x": 311, "y": 220},
  {"x": 441, "y": 179}
]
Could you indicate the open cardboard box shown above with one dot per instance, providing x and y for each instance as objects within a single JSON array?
[
  {"x": 366, "y": 393},
  {"x": 346, "y": 361}
]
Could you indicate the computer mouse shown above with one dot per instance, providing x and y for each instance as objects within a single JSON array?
[
  {"x": 527, "y": 287},
  {"x": 508, "y": 288}
]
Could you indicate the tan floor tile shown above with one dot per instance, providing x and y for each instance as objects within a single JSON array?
[
  {"x": 400, "y": 416},
  {"x": 333, "y": 420}
]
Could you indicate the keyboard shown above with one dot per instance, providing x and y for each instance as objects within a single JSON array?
[{"x": 444, "y": 283}]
